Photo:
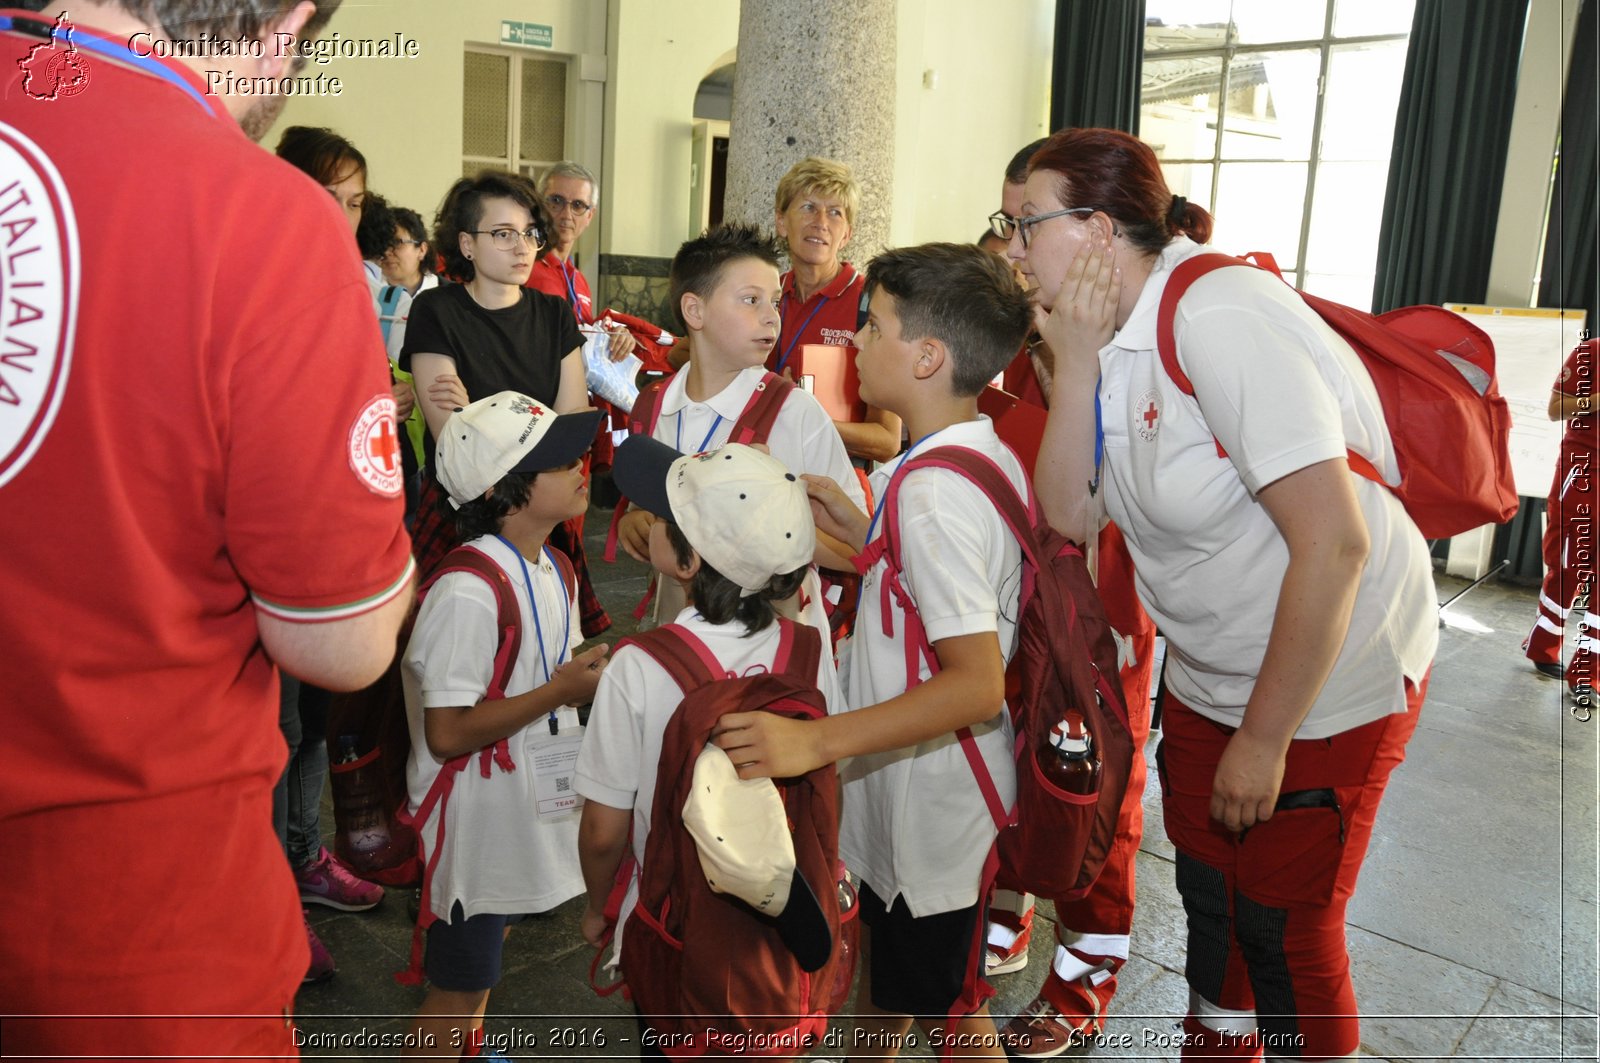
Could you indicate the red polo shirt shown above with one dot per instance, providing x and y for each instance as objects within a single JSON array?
[
  {"x": 829, "y": 316},
  {"x": 184, "y": 444},
  {"x": 559, "y": 277}
]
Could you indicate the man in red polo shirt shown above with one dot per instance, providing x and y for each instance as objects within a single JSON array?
[{"x": 181, "y": 515}]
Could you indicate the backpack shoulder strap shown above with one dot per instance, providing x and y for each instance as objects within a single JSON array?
[
  {"x": 509, "y": 617},
  {"x": 1183, "y": 275},
  {"x": 761, "y": 412},
  {"x": 647, "y": 407},
  {"x": 799, "y": 651},
  {"x": 985, "y": 475},
  {"x": 685, "y": 658},
  {"x": 564, "y": 571}
]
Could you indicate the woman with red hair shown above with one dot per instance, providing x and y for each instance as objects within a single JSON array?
[{"x": 1296, "y": 596}]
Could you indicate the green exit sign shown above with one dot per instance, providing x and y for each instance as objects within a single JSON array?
[{"x": 526, "y": 34}]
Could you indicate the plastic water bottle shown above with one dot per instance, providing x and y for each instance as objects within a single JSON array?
[
  {"x": 366, "y": 825},
  {"x": 1067, "y": 756}
]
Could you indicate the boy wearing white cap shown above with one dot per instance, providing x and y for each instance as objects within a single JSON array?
[
  {"x": 944, "y": 319},
  {"x": 735, "y": 533},
  {"x": 498, "y": 841}
]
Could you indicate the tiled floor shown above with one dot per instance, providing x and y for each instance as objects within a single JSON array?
[{"x": 1473, "y": 934}]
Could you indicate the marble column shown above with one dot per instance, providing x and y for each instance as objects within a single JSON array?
[{"x": 814, "y": 77}]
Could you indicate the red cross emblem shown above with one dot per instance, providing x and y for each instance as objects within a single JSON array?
[
  {"x": 374, "y": 447},
  {"x": 1147, "y": 415}
]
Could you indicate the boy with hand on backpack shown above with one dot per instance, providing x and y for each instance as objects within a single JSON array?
[
  {"x": 490, "y": 682},
  {"x": 734, "y": 531},
  {"x": 916, "y": 829},
  {"x": 726, "y": 289}
]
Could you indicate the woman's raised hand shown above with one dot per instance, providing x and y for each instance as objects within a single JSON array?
[{"x": 1083, "y": 315}]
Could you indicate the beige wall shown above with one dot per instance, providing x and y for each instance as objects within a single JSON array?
[
  {"x": 987, "y": 95},
  {"x": 636, "y": 66},
  {"x": 405, "y": 115}
]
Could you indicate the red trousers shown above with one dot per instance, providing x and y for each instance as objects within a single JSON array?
[
  {"x": 1569, "y": 562},
  {"x": 1266, "y": 906}
]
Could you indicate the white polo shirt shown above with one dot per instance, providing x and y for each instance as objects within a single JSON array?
[
  {"x": 914, "y": 822},
  {"x": 635, "y": 702},
  {"x": 1281, "y": 391},
  {"x": 803, "y": 437},
  {"x": 498, "y": 856}
]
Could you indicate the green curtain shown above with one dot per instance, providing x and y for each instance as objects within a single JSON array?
[
  {"x": 1094, "y": 71},
  {"x": 1569, "y": 277},
  {"x": 1448, "y": 162}
]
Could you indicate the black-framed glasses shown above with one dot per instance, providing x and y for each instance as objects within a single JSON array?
[
  {"x": 506, "y": 238},
  {"x": 556, "y": 202},
  {"x": 1004, "y": 225}
]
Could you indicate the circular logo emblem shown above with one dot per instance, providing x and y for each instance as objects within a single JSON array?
[
  {"x": 67, "y": 74},
  {"x": 39, "y": 276},
  {"x": 375, "y": 447},
  {"x": 1147, "y": 415}
]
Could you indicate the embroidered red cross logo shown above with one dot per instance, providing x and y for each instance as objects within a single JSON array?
[
  {"x": 1149, "y": 416},
  {"x": 384, "y": 446}
]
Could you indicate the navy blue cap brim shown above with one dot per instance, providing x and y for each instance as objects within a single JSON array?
[
  {"x": 568, "y": 438},
  {"x": 640, "y": 469}
]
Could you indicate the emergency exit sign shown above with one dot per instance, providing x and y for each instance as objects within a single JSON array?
[{"x": 526, "y": 34}]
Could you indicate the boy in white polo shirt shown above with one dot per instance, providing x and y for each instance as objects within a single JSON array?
[
  {"x": 734, "y": 532},
  {"x": 485, "y": 733},
  {"x": 725, "y": 287},
  {"x": 944, "y": 320}
]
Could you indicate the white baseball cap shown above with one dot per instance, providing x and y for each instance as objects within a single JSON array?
[
  {"x": 741, "y": 832},
  {"x": 506, "y": 432},
  {"x": 742, "y": 510}
]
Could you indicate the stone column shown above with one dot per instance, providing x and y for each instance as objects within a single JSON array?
[{"x": 814, "y": 77}]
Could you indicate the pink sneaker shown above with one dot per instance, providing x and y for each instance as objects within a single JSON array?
[
  {"x": 322, "y": 967},
  {"x": 326, "y": 881}
]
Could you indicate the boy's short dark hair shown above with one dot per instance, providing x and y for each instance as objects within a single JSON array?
[
  {"x": 485, "y": 516},
  {"x": 698, "y": 265},
  {"x": 961, "y": 295},
  {"x": 462, "y": 212},
  {"x": 1017, "y": 168},
  {"x": 719, "y": 599}
]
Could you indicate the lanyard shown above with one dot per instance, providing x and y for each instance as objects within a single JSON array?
[
  {"x": 117, "y": 53},
  {"x": 877, "y": 510},
  {"x": 533, "y": 607},
  {"x": 567, "y": 270},
  {"x": 1099, "y": 439},
  {"x": 801, "y": 331},
  {"x": 704, "y": 443}
]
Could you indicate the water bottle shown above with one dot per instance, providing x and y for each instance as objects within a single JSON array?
[
  {"x": 366, "y": 823},
  {"x": 1067, "y": 756}
]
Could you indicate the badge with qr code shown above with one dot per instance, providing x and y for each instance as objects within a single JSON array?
[{"x": 555, "y": 764}]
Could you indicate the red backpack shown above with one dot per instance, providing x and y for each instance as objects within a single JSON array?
[
  {"x": 707, "y": 974},
  {"x": 508, "y": 620},
  {"x": 1434, "y": 373},
  {"x": 1051, "y": 843}
]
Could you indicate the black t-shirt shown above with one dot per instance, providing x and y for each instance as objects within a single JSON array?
[{"x": 519, "y": 348}]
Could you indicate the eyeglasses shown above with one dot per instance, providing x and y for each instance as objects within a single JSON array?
[
  {"x": 1003, "y": 224},
  {"x": 578, "y": 207},
  {"x": 405, "y": 243},
  {"x": 507, "y": 238}
]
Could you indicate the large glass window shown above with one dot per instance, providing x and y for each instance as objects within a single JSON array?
[{"x": 1278, "y": 118}]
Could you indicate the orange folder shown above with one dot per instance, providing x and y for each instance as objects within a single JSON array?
[
  {"x": 829, "y": 373},
  {"x": 1019, "y": 424}
]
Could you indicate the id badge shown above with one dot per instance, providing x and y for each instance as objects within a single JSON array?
[{"x": 555, "y": 767}]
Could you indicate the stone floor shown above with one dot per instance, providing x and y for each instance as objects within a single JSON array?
[{"x": 1473, "y": 935}]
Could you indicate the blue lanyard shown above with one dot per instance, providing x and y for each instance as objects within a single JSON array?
[
  {"x": 538, "y": 627},
  {"x": 801, "y": 331},
  {"x": 572, "y": 291},
  {"x": 1099, "y": 438},
  {"x": 877, "y": 510},
  {"x": 704, "y": 443},
  {"x": 118, "y": 53}
]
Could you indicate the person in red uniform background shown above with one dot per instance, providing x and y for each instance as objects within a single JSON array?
[
  {"x": 181, "y": 516},
  {"x": 1092, "y": 934},
  {"x": 1569, "y": 531},
  {"x": 816, "y": 211}
]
